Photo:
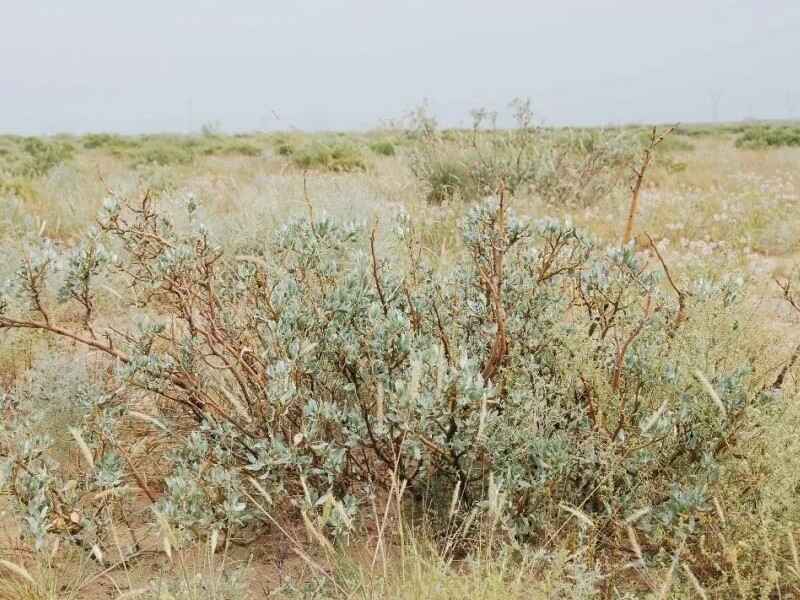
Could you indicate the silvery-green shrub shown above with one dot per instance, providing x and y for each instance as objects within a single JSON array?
[
  {"x": 540, "y": 371},
  {"x": 564, "y": 167}
]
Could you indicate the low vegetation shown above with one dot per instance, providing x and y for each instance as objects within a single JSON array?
[
  {"x": 383, "y": 147},
  {"x": 442, "y": 373},
  {"x": 769, "y": 136},
  {"x": 336, "y": 156},
  {"x": 564, "y": 167}
]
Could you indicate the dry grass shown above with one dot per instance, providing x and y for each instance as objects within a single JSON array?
[{"x": 728, "y": 210}]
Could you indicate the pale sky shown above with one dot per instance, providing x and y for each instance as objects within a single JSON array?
[{"x": 172, "y": 65}]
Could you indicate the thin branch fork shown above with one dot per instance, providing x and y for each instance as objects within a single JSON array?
[
  {"x": 639, "y": 172},
  {"x": 781, "y": 378},
  {"x": 375, "y": 274},
  {"x": 620, "y": 363},
  {"x": 442, "y": 334},
  {"x": 786, "y": 288},
  {"x": 681, "y": 315},
  {"x": 623, "y": 349},
  {"x": 182, "y": 383},
  {"x": 493, "y": 283}
]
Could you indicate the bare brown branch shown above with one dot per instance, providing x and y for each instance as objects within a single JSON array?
[{"x": 640, "y": 172}]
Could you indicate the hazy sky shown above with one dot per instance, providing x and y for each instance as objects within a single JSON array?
[{"x": 100, "y": 65}]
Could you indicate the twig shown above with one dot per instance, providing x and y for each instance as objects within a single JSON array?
[
  {"x": 649, "y": 152},
  {"x": 442, "y": 334},
  {"x": 615, "y": 382},
  {"x": 180, "y": 382},
  {"x": 681, "y": 315},
  {"x": 786, "y": 287},
  {"x": 136, "y": 475},
  {"x": 375, "y": 271},
  {"x": 309, "y": 204},
  {"x": 493, "y": 283},
  {"x": 779, "y": 380}
]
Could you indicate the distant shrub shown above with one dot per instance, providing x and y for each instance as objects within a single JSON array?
[
  {"x": 42, "y": 155},
  {"x": 10, "y": 157},
  {"x": 232, "y": 149},
  {"x": 696, "y": 131},
  {"x": 284, "y": 146},
  {"x": 674, "y": 166},
  {"x": 452, "y": 135},
  {"x": 582, "y": 167},
  {"x": 769, "y": 137},
  {"x": 164, "y": 154},
  {"x": 563, "y": 167},
  {"x": 284, "y": 149},
  {"x": 671, "y": 143},
  {"x": 449, "y": 177},
  {"x": 243, "y": 149},
  {"x": 332, "y": 156},
  {"x": 20, "y": 187},
  {"x": 383, "y": 148},
  {"x": 100, "y": 140}
]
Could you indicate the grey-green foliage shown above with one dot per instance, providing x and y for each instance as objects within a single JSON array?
[
  {"x": 383, "y": 147},
  {"x": 59, "y": 403},
  {"x": 227, "y": 585},
  {"x": 541, "y": 371},
  {"x": 768, "y": 136},
  {"x": 337, "y": 155},
  {"x": 565, "y": 167},
  {"x": 25, "y": 159}
]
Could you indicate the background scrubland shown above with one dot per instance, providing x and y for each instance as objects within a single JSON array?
[{"x": 408, "y": 363}]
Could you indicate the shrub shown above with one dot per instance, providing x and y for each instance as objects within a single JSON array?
[
  {"x": 102, "y": 140},
  {"x": 20, "y": 187},
  {"x": 284, "y": 149},
  {"x": 544, "y": 380},
  {"x": 336, "y": 156},
  {"x": 582, "y": 167},
  {"x": 383, "y": 148},
  {"x": 449, "y": 178},
  {"x": 232, "y": 149},
  {"x": 284, "y": 146},
  {"x": 563, "y": 167},
  {"x": 242, "y": 149},
  {"x": 673, "y": 143},
  {"x": 42, "y": 156},
  {"x": 769, "y": 137},
  {"x": 164, "y": 154}
]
